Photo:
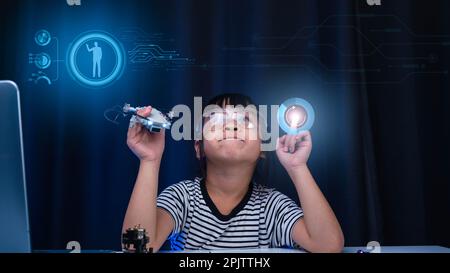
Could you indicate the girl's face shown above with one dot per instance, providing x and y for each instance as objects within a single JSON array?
[{"x": 230, "y": 135}]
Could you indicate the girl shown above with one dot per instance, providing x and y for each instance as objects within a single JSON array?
[{"x": 227, "y": 208}]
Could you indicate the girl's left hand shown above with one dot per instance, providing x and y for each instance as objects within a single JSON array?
[{"x": 293, "y": 150}]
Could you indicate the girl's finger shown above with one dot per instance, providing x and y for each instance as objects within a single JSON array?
[
  {"x": 132, "y": 131},
  {"x": 287, "y": 142},
  {"x": 305, "y": 139},
  {"x": 302, "y": 135},
  {"x": 292, "y": 143},
  {"x": 135, "y": 130},
  {"x": 307, "y": 136},
  {"x": 280, "y": 142},
  {"x": 282, "y": 139},
  {"x": 145, "y": 112}
]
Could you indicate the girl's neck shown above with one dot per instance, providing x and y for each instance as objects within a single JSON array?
[{"x": 228, "y": 181}]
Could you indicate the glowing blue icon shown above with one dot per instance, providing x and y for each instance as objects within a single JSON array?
[
  {"x": 42, "y": 37},
  {"x": 42, "y": 60},
  {"x": 295, "y": 115},
  {"x": 97, "y": 55},
  {"x": 96, "y": 59},
  {"x": 36, "y": 77}
]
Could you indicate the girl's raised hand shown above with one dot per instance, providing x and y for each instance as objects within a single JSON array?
[
  {"x": 145, "y": 145},
  {"x": 293, "y": 150}
]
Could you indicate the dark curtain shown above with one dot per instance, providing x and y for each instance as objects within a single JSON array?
[{"x": 377, "y": 77}]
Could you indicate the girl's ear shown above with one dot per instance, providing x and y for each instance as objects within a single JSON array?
[{"x": 198, "y": 149}]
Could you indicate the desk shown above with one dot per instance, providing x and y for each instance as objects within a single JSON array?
[{"x": 384, "y": 249}]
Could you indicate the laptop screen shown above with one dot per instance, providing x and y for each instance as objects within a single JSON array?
[{"x": 14, "y": 231}]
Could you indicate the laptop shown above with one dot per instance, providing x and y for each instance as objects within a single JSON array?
[{"x": 14, "y": 227}]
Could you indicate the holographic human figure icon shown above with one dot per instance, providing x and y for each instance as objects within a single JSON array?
[
  {"x": 108, "y": 59},
  {"x": 96, "y": 59}
]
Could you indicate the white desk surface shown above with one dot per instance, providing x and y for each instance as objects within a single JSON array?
[{"x": 384, "y": 249}]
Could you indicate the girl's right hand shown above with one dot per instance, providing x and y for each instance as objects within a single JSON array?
[{"x": 147, "y": 146}]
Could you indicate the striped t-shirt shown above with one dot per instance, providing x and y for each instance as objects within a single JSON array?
[{"x": 264, "y": 218}]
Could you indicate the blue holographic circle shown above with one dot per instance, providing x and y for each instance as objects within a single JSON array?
[
  {"x": 107, "y": 38},
  {"x": 42, "y": 37},
  {"x": 42, "y": 60},
  {"x": 295, "y": 102}
]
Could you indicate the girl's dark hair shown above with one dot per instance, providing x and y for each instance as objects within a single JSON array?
[
  {"x": 230, "y": 99},
  {"x": 261, "y": 172}
]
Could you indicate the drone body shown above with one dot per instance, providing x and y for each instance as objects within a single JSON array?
[{"x": 154, "y": 123}]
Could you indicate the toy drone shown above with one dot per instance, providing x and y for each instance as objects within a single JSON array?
[{"x": 154, "y": 123}]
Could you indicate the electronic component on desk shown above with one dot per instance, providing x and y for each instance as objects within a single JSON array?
[
  {"x": 155, "y": 122},
  {"x": 135, "y": 240}
]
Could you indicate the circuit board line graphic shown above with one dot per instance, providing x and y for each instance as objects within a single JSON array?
[
  {"x": 321, "y": 25},
  {"x": 144, "y": 53},
  {"x": 321, "y": 63},
  {"x": 58, "y": 60},
  {"x": 146, "y": 50},
  {"x": 319, "y": 77},
  {"x": 376, "y": 48}
]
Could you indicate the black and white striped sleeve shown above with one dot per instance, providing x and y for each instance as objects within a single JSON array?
[
  {"x": 174, "y": 200},
  {"x": 285, "y": 213}
]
